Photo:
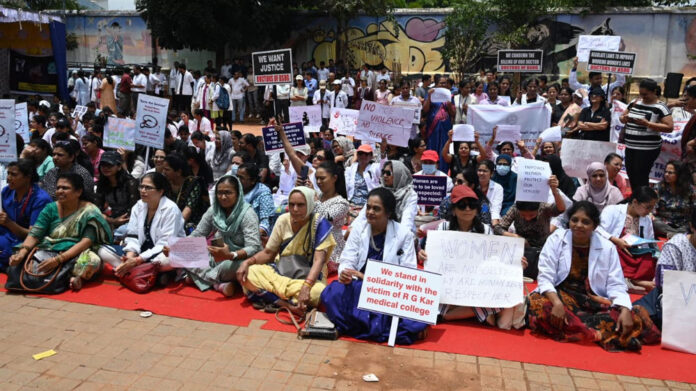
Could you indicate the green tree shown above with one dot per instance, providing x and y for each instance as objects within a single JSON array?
[
  {"x": 41, "y": 5},
  {"x": 466, "y": 39}
]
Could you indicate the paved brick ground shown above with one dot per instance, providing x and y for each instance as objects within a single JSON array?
[{"x": 102, "y": 348}]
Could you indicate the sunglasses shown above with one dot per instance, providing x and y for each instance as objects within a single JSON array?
[
  {"x": 386, "y": 173},
  {"x": 467, "y": 203}
]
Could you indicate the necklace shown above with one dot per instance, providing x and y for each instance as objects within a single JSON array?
[{"x": 373, "y": 245}]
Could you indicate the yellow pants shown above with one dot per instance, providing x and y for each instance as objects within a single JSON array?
[{"x": 266, "y": 278}]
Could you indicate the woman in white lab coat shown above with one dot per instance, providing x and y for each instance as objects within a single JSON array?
[{"x": 582, "y": 295}]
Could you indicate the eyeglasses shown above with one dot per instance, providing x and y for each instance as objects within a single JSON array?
[
  {"x": 146, "y": 188},
  {"x": 467, "y": 203},
  {"x": 224, "y": 193},
  {"x": 386, "y": 173},
  {"x": 319, "y": 157}
]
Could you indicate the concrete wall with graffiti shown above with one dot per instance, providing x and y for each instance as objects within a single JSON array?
[
  {"x": 663, "y": 40},
  {"x": 122, "y": 38}
]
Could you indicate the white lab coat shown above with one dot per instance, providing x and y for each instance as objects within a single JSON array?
[
  {"x": 326, "y": 106},
  {"x": 495, "y": 199},
  {"x": 604, "y": 268},
  {"x": 614, "y": 220},
  {"x": 408, "y": 212},
  {"x": 371, "y": 174},
  {"x": 339, "y": 100},
  {"x": 187, "y": 87},
  {"x": 167, "y": 222},
  {"x": 399, "y": 248}
]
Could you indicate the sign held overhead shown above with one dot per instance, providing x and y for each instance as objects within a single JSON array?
[
  {"x": 272, "y": 67},
  {"x": 611, "y": 62},
  {"x": 528, "y": 61}
]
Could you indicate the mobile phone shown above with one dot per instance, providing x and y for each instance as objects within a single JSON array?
[
  {"x": 304, "y": 172},
  {"x": 217, "y": 242}
]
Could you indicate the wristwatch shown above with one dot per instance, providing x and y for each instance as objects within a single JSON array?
[{"x": 234, "y": 255}]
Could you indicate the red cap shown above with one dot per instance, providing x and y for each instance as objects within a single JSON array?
[
  {"x": 430, "y": 155},
  {"x": 365, "y": 148},
  {"x": 460, "y": 192}
]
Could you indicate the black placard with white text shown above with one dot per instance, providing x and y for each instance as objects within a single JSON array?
[
  {"x": 524, "y": 61},
  {"x": 611, "y": 62},
  {"x": 272, "y": 67}
]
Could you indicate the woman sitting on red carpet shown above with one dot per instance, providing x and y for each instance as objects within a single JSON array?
[{"x": 581, "y": 295}]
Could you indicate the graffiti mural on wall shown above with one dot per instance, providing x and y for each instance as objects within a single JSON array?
[
  {"x": 412, "y": 42},
  {"x": 118, "y": 39}
]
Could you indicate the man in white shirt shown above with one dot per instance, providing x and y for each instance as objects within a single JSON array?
[
  {"x": 238, "y": 85},
  {"x": 151, "y": 81},
  {"x": 184, "y": 88},
  {"x": 138, "y": 87},
  {"x": 162, "y": 78},
  {"x": 173, "y": 74},
  {"x": 225, "y": 69},
  {"x": 383, "y": 75},
  {"x": 410, "y": 101},
  {"x": 595, "y": 79},
  {"x": 322, "y": 72},
  {"x": 94, "y": 86},
  {"x": 282, "y": 101},
  {"x": 348, "y": 86},
  {"x": 322, "y": 97},
  {"x": 338, "y": 97}
]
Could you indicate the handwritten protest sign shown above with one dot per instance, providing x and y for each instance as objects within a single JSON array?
[
  {"x": 463, "y": 132},
  {"x": 343, "y": 121},
  {"x": 377, "y": 122},
  {"x": 308, "y": 116},
  {"x": 679, "y": 311},
  {"x": 532, "y": 180},
  {"x": 8, "y": 140},
  {"x": 431, "y": 190},
  {"x": 508, "y": 133},
  {"x": 401, "y": 292},
  {"x": 189, "y": 252},
  {"x": 272, "y": 67},
  {"x": 273, "y": 143},
  {"x": 22, "y": 121},
  {"x": 576, "y": 155},
  {"x": 552, "y": 134},
  {"x": 477, "y": 270},
  {"x": 120, "y": 133},
  {"x": 586, "y": 43},
  {"x": 532, "y": 119},
  {"x": 441, "y": 95},
  {"x": 79, "y": 111},
  {"x": 151, "y": 121}
]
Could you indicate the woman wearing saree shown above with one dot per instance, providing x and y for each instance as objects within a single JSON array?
[
  {"x": 68, "y": 230},
  {"x": 234, "y": 222},
  {"x": 438, "y": 123},
  {"x": 300, "y": 245},
  {"x": 582, "y": 295}
]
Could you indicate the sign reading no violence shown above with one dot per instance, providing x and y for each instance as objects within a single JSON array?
[
  {"x": 272, "y": 67},
  {"x": 530, "y": 61},
  {"x": 611, "y": 62}
]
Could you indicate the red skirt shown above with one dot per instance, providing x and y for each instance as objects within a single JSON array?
[{"x": 638, "y": 267}]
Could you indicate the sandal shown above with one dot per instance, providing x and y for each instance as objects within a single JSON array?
[{"x": 258, "y": 306}]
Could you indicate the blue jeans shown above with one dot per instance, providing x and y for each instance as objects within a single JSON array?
[
  {"x": 238, "y": 104},
  {"x": 253, "y": 101}
]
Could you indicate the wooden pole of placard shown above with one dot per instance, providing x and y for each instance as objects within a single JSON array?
[{"x": 147, "y": 158}]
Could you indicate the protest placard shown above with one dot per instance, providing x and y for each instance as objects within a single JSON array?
[
  {"x": 671, "y": 150},
  {"x": 617, "y": 110},
  {"x": 8, "y": 141},
  {"x": 120, "y": 133},
  {"x": 532, "y": 119},
  {"x": 308, "y": 116},
  {"x": 463, "y": 132},
  {"x": 417, "y": 108},
  {"x": 344, "y": 121},
  {"x": 377, "y": 122},
  {"x": 431, "y": 189},
  {"x": 526, "y": 61},
  {"x": 611, "y": 62},
  {"x": 477, "y": 270},
  {"x": 272, "y": 67},
  {"x": 586, "y": 43},
  {"x": 507, "y": 132},
  {"x": 79, "y": 111},
  {"x": 189, "y": 252},
  {"x": 151, "y": 120},
  {"x": 576, "y": 155},
  {"x": 272, "y": 142},
  {"x": 22, "y": 121},
  {"x": 532, "y": 180},
  {"x": 679, "y": 311},
  {"x": 441, "y": 95},
  {"x": 552, "y": 134},
  {"x": 400, "y": 291}
]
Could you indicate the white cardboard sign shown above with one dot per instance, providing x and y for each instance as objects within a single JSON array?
[
  {"x": 120, "y": 133},
  {"x": 189, "y": 252},
  {"x": 343, "y": 121},
  {"x": 463, "y": 132},
  {"x": 508, "y": 133},
  {"x": 377, "y": 122},
  {"x": 576, "y": 155},
  {"x": 22, "y": 121},
  {"x": 8, "y": 140},
  {"x": 441, "y": 95},
  {"x": 552, "y": 134},
  {"x": 532, "y": 180},
  {"x": 477, "y": 270},
  {"x": 679, "y": 311},
  {"x": 586, "y": 43},
  {"x": 151, "y": 121},
  {"x": 309, "y": 116}
]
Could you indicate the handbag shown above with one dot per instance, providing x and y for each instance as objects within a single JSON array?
[
  {"x": 296, "y": 267},
  {"x": 25, "y": 276},
  {"x": 316, "y": 326},
  {"x": 141, "y": 278}
]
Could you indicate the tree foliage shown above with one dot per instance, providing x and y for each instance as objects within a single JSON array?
[{"x": 41, "y": 5}]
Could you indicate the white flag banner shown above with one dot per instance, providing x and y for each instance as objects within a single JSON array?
[{"x": 532, "y": 119}]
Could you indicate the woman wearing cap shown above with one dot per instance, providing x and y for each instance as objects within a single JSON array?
[
  {"x": 299, "y": 93},
  {"x": 117, "y": 192},
  {"x": 463, "y": 159},
  {"x": 299, "y": 246},
  {"x": 429, "y": 161},
  {"x": 64, "y": 159},
  {"x": 362, "y": 177},
  {"x": 382, "y": 239},
  {"x": 465, "y": 217},
  {"x": 593, "y": 122}
]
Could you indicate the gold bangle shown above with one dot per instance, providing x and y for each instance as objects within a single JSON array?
[{"x": 308, "y": 285}]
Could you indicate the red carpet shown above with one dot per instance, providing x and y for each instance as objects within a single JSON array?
[{"x": 461, "y": 337}]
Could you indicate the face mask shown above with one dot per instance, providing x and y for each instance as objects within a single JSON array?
[
  {"x": 502, "y": 170},
  {"x": 429, "y": 169},
  {"x": 233, "y": 169}
]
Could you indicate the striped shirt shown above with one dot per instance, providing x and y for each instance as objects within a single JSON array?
[{"x": 640, "y": 137}]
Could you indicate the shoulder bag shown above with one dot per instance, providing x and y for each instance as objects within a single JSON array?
[{"x": 25, "y": 276}]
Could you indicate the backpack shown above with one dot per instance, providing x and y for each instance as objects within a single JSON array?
[{"x": 223, "y": 101}]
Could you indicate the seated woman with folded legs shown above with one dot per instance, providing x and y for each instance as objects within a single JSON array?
[
  {"x": 290, "y": 271},
  {"x": 69, "y": 228},
  {"x": 581, "y": 295},
  {"x": 381, "y": 239},
  {"x": 237, "y": 228}
]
